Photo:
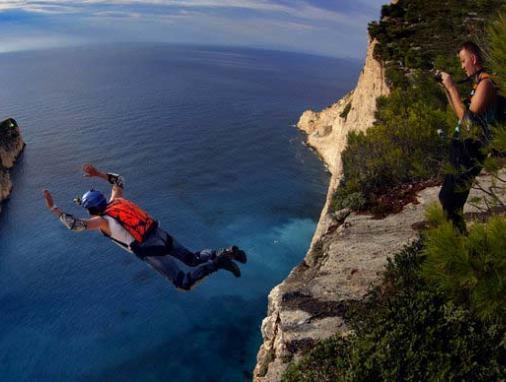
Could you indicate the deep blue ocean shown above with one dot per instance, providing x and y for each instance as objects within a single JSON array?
[{"x": 205, "y": 140}]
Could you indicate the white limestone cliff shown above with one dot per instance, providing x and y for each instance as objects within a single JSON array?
[
  {"x": 343, "y": 263},
  {"x": 305, "y": 307}
]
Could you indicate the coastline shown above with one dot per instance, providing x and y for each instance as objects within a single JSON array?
[
  {"x": 286, "y": 330},
  {"x": 349, "y": 251}
]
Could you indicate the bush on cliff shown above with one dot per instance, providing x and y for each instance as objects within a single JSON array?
[
  {"x": 403, "y": 145},
  {"x": 327, "y": 362},
  {"x": 408, "y": 331},
  {"x": 497, "y": 49},
  {"x": 413, "y": 34},
  {"x": 469, "y": 269}
]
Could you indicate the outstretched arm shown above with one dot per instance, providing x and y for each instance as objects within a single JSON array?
[
  {"x": 117, "y": 181},
  {"x": 71, "y": 222}
]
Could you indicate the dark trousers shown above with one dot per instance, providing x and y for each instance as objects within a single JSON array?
[
  {"x": 160, "y": 251},
  {"x": 466, "y": 159}
]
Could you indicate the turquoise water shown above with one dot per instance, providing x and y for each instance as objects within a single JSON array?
[{"x": 204, "y": 138}]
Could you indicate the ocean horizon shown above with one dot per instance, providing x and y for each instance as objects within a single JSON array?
[{"x": 205, "y": 139}]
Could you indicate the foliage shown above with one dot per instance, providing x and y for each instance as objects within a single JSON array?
[
  {"x": 343, "y": 199},
  {"x": 471, "y": 270},
  {"x": 497, "y": 161},
  {"x": 413, "y": 34},
  {"x": 325, "y": 363},
  {"x": 497, "y": 50},
  {"x": 499, "y": 142},
  {"x": 8, "y": 132},
  {"x": 402, "y": 146},
  {"x": 408, "y": 331}
]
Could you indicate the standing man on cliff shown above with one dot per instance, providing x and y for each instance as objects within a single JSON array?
[
  {"x": 134, "y": 230},
  {"x": 472, "y": 134}
]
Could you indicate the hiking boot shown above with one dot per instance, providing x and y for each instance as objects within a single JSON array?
[
  {"x": 236, "y": 254},
  {"x": 224, "y": 262}
]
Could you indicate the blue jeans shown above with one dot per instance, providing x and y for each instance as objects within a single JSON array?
[{"x": 160, "y": 251}]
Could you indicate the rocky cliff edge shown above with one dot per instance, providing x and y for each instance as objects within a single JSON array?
[
  {"x": 344, "y": 262},
  {"x": 349, "y": 251},
  {"x": 346, "y": 252}
]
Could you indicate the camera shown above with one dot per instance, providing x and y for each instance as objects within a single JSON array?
[{"x": 437, "y": 75}]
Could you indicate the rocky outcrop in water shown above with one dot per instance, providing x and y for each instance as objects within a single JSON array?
[{"x": 11, "y": 145}]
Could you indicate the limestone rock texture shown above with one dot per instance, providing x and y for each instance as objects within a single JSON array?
[
  {"x": 347, "y": 251},
  {"x": 11, "y": 146},
  {"x": 327, "y": 130},
  {"x": 343, "y": 263}
]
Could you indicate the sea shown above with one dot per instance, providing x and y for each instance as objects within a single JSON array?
[{"x": 206, "y": 140}]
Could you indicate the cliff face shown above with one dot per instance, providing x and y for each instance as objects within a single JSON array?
[
  {"x": 340, "y": 265},
  {"x": 11, "y": 145},
  {"x": 343, "y": 263},
  {"x": 327, "y": 129},
  {"x": 349, "y": 251}
]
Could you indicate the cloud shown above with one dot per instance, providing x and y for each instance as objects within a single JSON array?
[
  {"x": 33, "y": 40},
  {"x": 117, "y": 15},
  {"x": 297, "y": 8},
  {"x": 269, "y": 23},
  {"x": 40, "y": 6}
]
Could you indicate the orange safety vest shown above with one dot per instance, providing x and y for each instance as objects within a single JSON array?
[{"x": 131, "y": 217}]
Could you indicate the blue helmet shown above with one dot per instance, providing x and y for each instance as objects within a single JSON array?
[{"x": 94, "y": 200}]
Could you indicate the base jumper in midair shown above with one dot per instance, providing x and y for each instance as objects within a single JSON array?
[{"x": 133, "y": 229}]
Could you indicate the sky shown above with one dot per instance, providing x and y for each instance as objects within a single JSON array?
[{"x": 335, "y": 28}]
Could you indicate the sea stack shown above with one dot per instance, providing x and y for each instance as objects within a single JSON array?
[{"x": 11, "y": 146}]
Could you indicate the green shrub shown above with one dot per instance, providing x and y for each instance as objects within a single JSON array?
[
  {"x": 402, "y": 146},
  {"x": 419, "y": 338},
  {"x": 497, "y": 50},
  {"x": 344, "y": 199},
  {"x": 408, "y": 331},
  {"x": 499, "y": 142},
  {"x": 470, "y": 269},
  {"x": 497, "y": 59},
  {"x": 327, "y": 362},
  {"x": 412, "y": 34}
]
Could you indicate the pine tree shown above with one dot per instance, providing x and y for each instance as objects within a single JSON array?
[
  {"x": 470, "y": 270},
  {"x": 496, "y": 57}
]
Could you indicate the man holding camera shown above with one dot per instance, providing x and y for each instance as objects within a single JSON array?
[{"x": 472, "y": 133}]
